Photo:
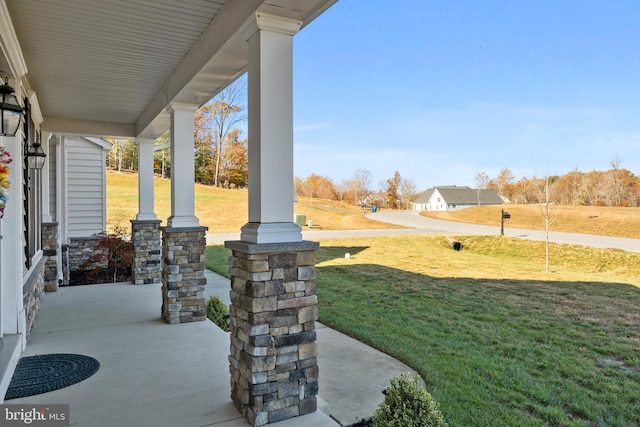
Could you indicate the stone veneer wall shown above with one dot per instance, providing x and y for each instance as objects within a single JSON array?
[
  {"x": 273, "y": 360},
  {"x": 183, "y": 281},
  {"x": 32, "y": 292},
  {"x": 79, "y": 250},
  {"x": 50, "y": 250},
  {"x": 147, "y": 252}
]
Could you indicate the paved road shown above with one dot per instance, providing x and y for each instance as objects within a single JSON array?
[{"x": 423, "y": 225}]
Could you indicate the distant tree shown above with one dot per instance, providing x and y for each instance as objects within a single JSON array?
[
  {"x": 391, "y": 189},
  {"x": 234, "y": 171},
  {"x": 590, "y": 188},
  {"x": 503, "y": 184},
  {"x": 482, "y": 181},
  {"x": 408, "y": 191},
  {"x": 203, "y": 146},
  {"x": 220, "y": 116},
  {"x": 342, "y": 189},
  {"x": 297, "y": 185},
  {"x": 318, "y": 187},
  {"x": 360, "y": 186},
  {"x": 123, "y": 154}
]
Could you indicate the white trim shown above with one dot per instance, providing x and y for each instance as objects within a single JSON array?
[
  {"x": 9, "y": 43},
  {"x": 36, "y": 113},
  {"x": 101, "y": 142},
  {"x": 84, "y": 128}
]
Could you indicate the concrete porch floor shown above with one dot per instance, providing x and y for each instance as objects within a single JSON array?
[
  {"x": 155, "y": 374},
  {"x": 151, "y": 373}
]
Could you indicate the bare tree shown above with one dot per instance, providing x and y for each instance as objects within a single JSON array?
[
  {"x": 482, "y": 181},
  {"x": 503, "y": 183},
  {"x": 224, "y": 112},
  {"x": 543, "y": 210},
  {"x": 360, "y": 186},
  {"x": 408, "y": 192}
]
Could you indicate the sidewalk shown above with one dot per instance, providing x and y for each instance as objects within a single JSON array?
[{"x": 352, "y": 374}]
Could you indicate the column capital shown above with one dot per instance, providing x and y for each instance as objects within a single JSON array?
[
  {"x": 144, "y": 139},
  {"x": 181, "y": 106},
  {"x": 268, "y": 22}
]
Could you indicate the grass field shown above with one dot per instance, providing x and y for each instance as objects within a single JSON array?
[
  {"x": 498, "y": 341},
  {"x": 223, "y": 211}
]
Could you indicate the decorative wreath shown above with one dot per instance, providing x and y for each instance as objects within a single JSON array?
[{"x": 5, "y": 160}]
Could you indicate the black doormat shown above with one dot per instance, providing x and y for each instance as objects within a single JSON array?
[{"x": 49, "y": 372}]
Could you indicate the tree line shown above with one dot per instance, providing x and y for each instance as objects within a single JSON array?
[
  {"x": 220, "y": 150},
  {"x": 617, "y": 187},
  {"x": 393, "y": 193}
]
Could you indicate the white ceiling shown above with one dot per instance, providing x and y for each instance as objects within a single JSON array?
[{"x": 110, "y": 67}]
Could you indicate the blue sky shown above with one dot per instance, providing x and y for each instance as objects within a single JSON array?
[{"x": 441, "y": 90}]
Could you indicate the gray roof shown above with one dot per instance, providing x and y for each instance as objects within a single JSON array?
[{"x": 463, "y": 195}]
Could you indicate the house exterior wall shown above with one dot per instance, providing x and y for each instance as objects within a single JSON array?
[
  {"x": 436, "y": 202},
  {"x": 86, "y": 187}
]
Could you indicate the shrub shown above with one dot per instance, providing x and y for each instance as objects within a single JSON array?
[
  {"x": 114, "y": 250},
  {"x": 217, "y": 312},
  {"x": 408, "y": 404}
]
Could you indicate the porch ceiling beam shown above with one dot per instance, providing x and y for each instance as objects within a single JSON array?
[
  {"x": 199, "y": 77},
  {"x": 78, "y": 127}
]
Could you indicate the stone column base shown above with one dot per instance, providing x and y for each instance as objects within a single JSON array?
[
  {"x": 183, "y": 281},
  {"x": 50, "y": 250},
  {"x": 147, "y": 252},
  {"x": 273, "y": 360}
]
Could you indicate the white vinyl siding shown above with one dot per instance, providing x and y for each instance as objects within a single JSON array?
[{"x": 86, "y": 188}]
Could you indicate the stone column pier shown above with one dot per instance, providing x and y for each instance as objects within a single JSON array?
[
  {"x": 183, "y": 281},
  {"x": 50, "y": 250},
  {"x": 273, "y": 360},
  {"x": 147, "y": 252}
]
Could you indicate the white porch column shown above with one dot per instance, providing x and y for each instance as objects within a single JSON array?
[
  {"x": 182, "y": 166},
  {"x": 270, "y": 96},
  {"x": 145, "y": 179},
  {"x": 46, "y": 207}
]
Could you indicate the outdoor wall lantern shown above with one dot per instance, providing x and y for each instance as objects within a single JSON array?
[
  {"x": 34, "y": 154},
  {"x": 10, "y": 110}
]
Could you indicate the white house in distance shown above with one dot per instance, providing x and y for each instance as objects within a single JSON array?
[
  {"x": 75, "y": 71},
  {"x": 452, "y": 198}
]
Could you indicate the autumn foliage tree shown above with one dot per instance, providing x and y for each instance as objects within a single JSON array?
[
  {"x": 215, "y": 121},
  {"x": 391, "y": 192},
  {"x": 615, "y": 187},
  {"x": 318, "y": 187}
]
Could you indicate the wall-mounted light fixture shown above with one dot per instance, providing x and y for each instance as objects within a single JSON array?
[
  {"x": 10, "y": 110},
  {"x": 34, "y": 154}
]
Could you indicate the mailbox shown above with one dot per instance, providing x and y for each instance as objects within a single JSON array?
[{"x": 506, "y": 215}]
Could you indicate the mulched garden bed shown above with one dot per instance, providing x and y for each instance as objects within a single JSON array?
[{"x": 103, "y": 276}]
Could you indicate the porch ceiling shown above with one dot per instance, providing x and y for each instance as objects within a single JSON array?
[{"x": 110, "y": 67}]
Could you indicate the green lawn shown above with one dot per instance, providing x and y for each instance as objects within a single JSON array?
[{"x": 498, "y": 341}]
